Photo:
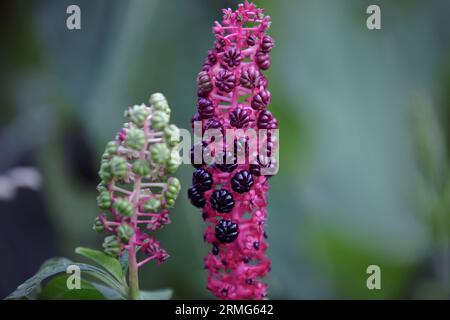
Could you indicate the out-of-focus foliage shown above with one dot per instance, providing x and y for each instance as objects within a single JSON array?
[{"x": 364, "y": 136}]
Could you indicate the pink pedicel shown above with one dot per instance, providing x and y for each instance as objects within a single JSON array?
[{"x": 232, "y": 94}]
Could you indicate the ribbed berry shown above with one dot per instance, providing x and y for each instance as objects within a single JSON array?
[
  {"x": 266, "y": 120},
  {"x": 204, "y": 83},
  {"x": 240, "y": 118},
  {"x": 261, "y": 100},
  {"x": 196, "y": 197},
  {"x": 222, "y": 201},
  {"x": 251, "y": 40},
  {"x": 249, "y": 78},
  {"x": 205, "y": 108},
  {"x": 267, "y": 44},
  {"x": 225, "y": 81},
  {"x": 242, "y": 181},
  {"x": 226, "y": 231},
  {"x": 263, "y": 60},
  {"x": 202, "y": 179},
  {"x": 261, "y": 162},
  {"x": 212, "y": 57},
  {"x": 232, "y": 57},
  {"x": 212, "y": 123},
  {"x": 229, "y": 162}
]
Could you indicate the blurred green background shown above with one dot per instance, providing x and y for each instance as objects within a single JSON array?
[{"x": 364, "y": 125}]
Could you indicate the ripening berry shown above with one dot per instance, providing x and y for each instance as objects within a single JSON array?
[
  {"x": 225, "y": 81},
  {"x": 240, "y": 118},
  {"x": 205, "y": 108},
  {"x": 232, "y": 57},
  {"x": 251, "y": 40},
  {"x": 222, "y": 201},
  {"x": 266, "y": 120},
  {"x": 249, "y": 78},
  {"x": 261, "y": 100},
  {"x": 263, "y": 60},
  {"x": 204, "y": 83},
  {"x": 267, "y": 44},
  {"x": 226, "y": 231}
]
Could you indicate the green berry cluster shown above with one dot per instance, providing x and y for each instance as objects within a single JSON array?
[{"x": 134, "y": 173}]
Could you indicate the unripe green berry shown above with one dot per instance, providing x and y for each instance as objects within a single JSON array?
[
  {"x": 111, "y": 148},
  {"x": 159, "y": 153},
  {"x": 101, "y": 187},
  {"x": 125, "y": 232},
  {"x": 172, "y": 191},
  {"x": 119, "y": 167},
  {"x": 138, "y": 114},
  {"x": 112, "y": 246},
  {"x": 98, "y": 225},
  {"x": 159, "y": 120},
  {"x": 135, "y": 139},
  {"x": 104, "y": 200},
  {"x": 159, "y": 102},
  {"x": 141, "y": 167},
  {"x": 172, "y": 135},
  {"x": 174, "y": 161},
  {"x": 152, "y": 205},
  {"x": 124, "y": 207},
  {"x": 105, "y": 172}
]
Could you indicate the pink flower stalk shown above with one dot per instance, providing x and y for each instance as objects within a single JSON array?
[{"x": 232, "y": 94}]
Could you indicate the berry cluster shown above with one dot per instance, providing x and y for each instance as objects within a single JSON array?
[
  {"x": 232, "y": 94},
  {"x": 135, "y": 190}
]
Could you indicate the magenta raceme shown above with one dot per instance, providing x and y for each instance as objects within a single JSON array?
[{"x": 232, "y": 94}]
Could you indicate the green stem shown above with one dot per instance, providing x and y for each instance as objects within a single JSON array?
[{"x": 133, "y": 273}]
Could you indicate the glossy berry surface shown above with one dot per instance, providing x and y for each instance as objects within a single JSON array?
[
  {"x": 222, "y": 201},
  {"x": 242, "y": 181},
  {"x": 226, "y": 231}
]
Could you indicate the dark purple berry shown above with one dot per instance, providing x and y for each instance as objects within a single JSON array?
[
  {"x": 196, "y": 197},
  {"x": 219, "y": 44},
  {"x": 225, "y": 81},
  {"x": 249, "y": 78},
  {"x": 266, "y": 120},
  {"x": 222, "y": 201},
  {"x": 226, "y": 231},
  {"x": 240, "y": 118},
  {"x": 229, "y": 161},
  {"x": 242, "y": 181},
  {"x": 232, "y": 57},
  {"x": 256, "y": 245},
  {"x": 204, "y": 83},
  {"x": 267, "y": 44},
  {"x": 215, "y": 249},
  {"x": 262, "y": 163},
  {"x": 251, "y": 40},
  {"x": 202, "y": 179},
  {"x": 212, "y": 123},
  {"x": 212, "y": 57},
  {"x": 261, "y": 100},
  {"x": 206, "y": 108},
  {"x": 263, "y": 60}
]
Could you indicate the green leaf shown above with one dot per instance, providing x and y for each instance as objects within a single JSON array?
[
  {"x": 109, "y": 293},
  {"x": 111, "y": 264},
  {"x": 56, "y": 289},
  {"x": 163, "y": 294},
  {"x": 54, "y": 266}
]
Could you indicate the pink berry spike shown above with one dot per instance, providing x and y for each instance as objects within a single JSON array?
[{"x": 232, "y": 97}]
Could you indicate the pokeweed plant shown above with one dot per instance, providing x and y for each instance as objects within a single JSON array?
[
  {"x": 233, "y": 96},
  {"x": 135, "y": 194}
]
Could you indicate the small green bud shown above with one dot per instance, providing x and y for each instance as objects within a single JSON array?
[
  {"x": 104, "y": 200},
  {"x": 125, "y": 232},
  {"x": 138, "y": 114},
  {"x": 112, "y": 246},
  {"x": 152, "y": 205},
  {"x": 124, "y": 207},
  {"x": 172, "y": 135},
  {"x": 159, "y": 102},
  {"x": 174, "y": 161},
  {"x": 135, "y": 139},
  {"x": 101, "y": 187},
  {"x": 98, "y": 225},
  {"x": 159, "y": 120},
  {"x": 111, "y": 148},
  {"x": 119, "y": 167},
  {"x": 141, "y": 167},
  {"x": 172, "y": 191},
  {"x": 105, "y": 172},
  {"x": 159, "y": 153}
]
